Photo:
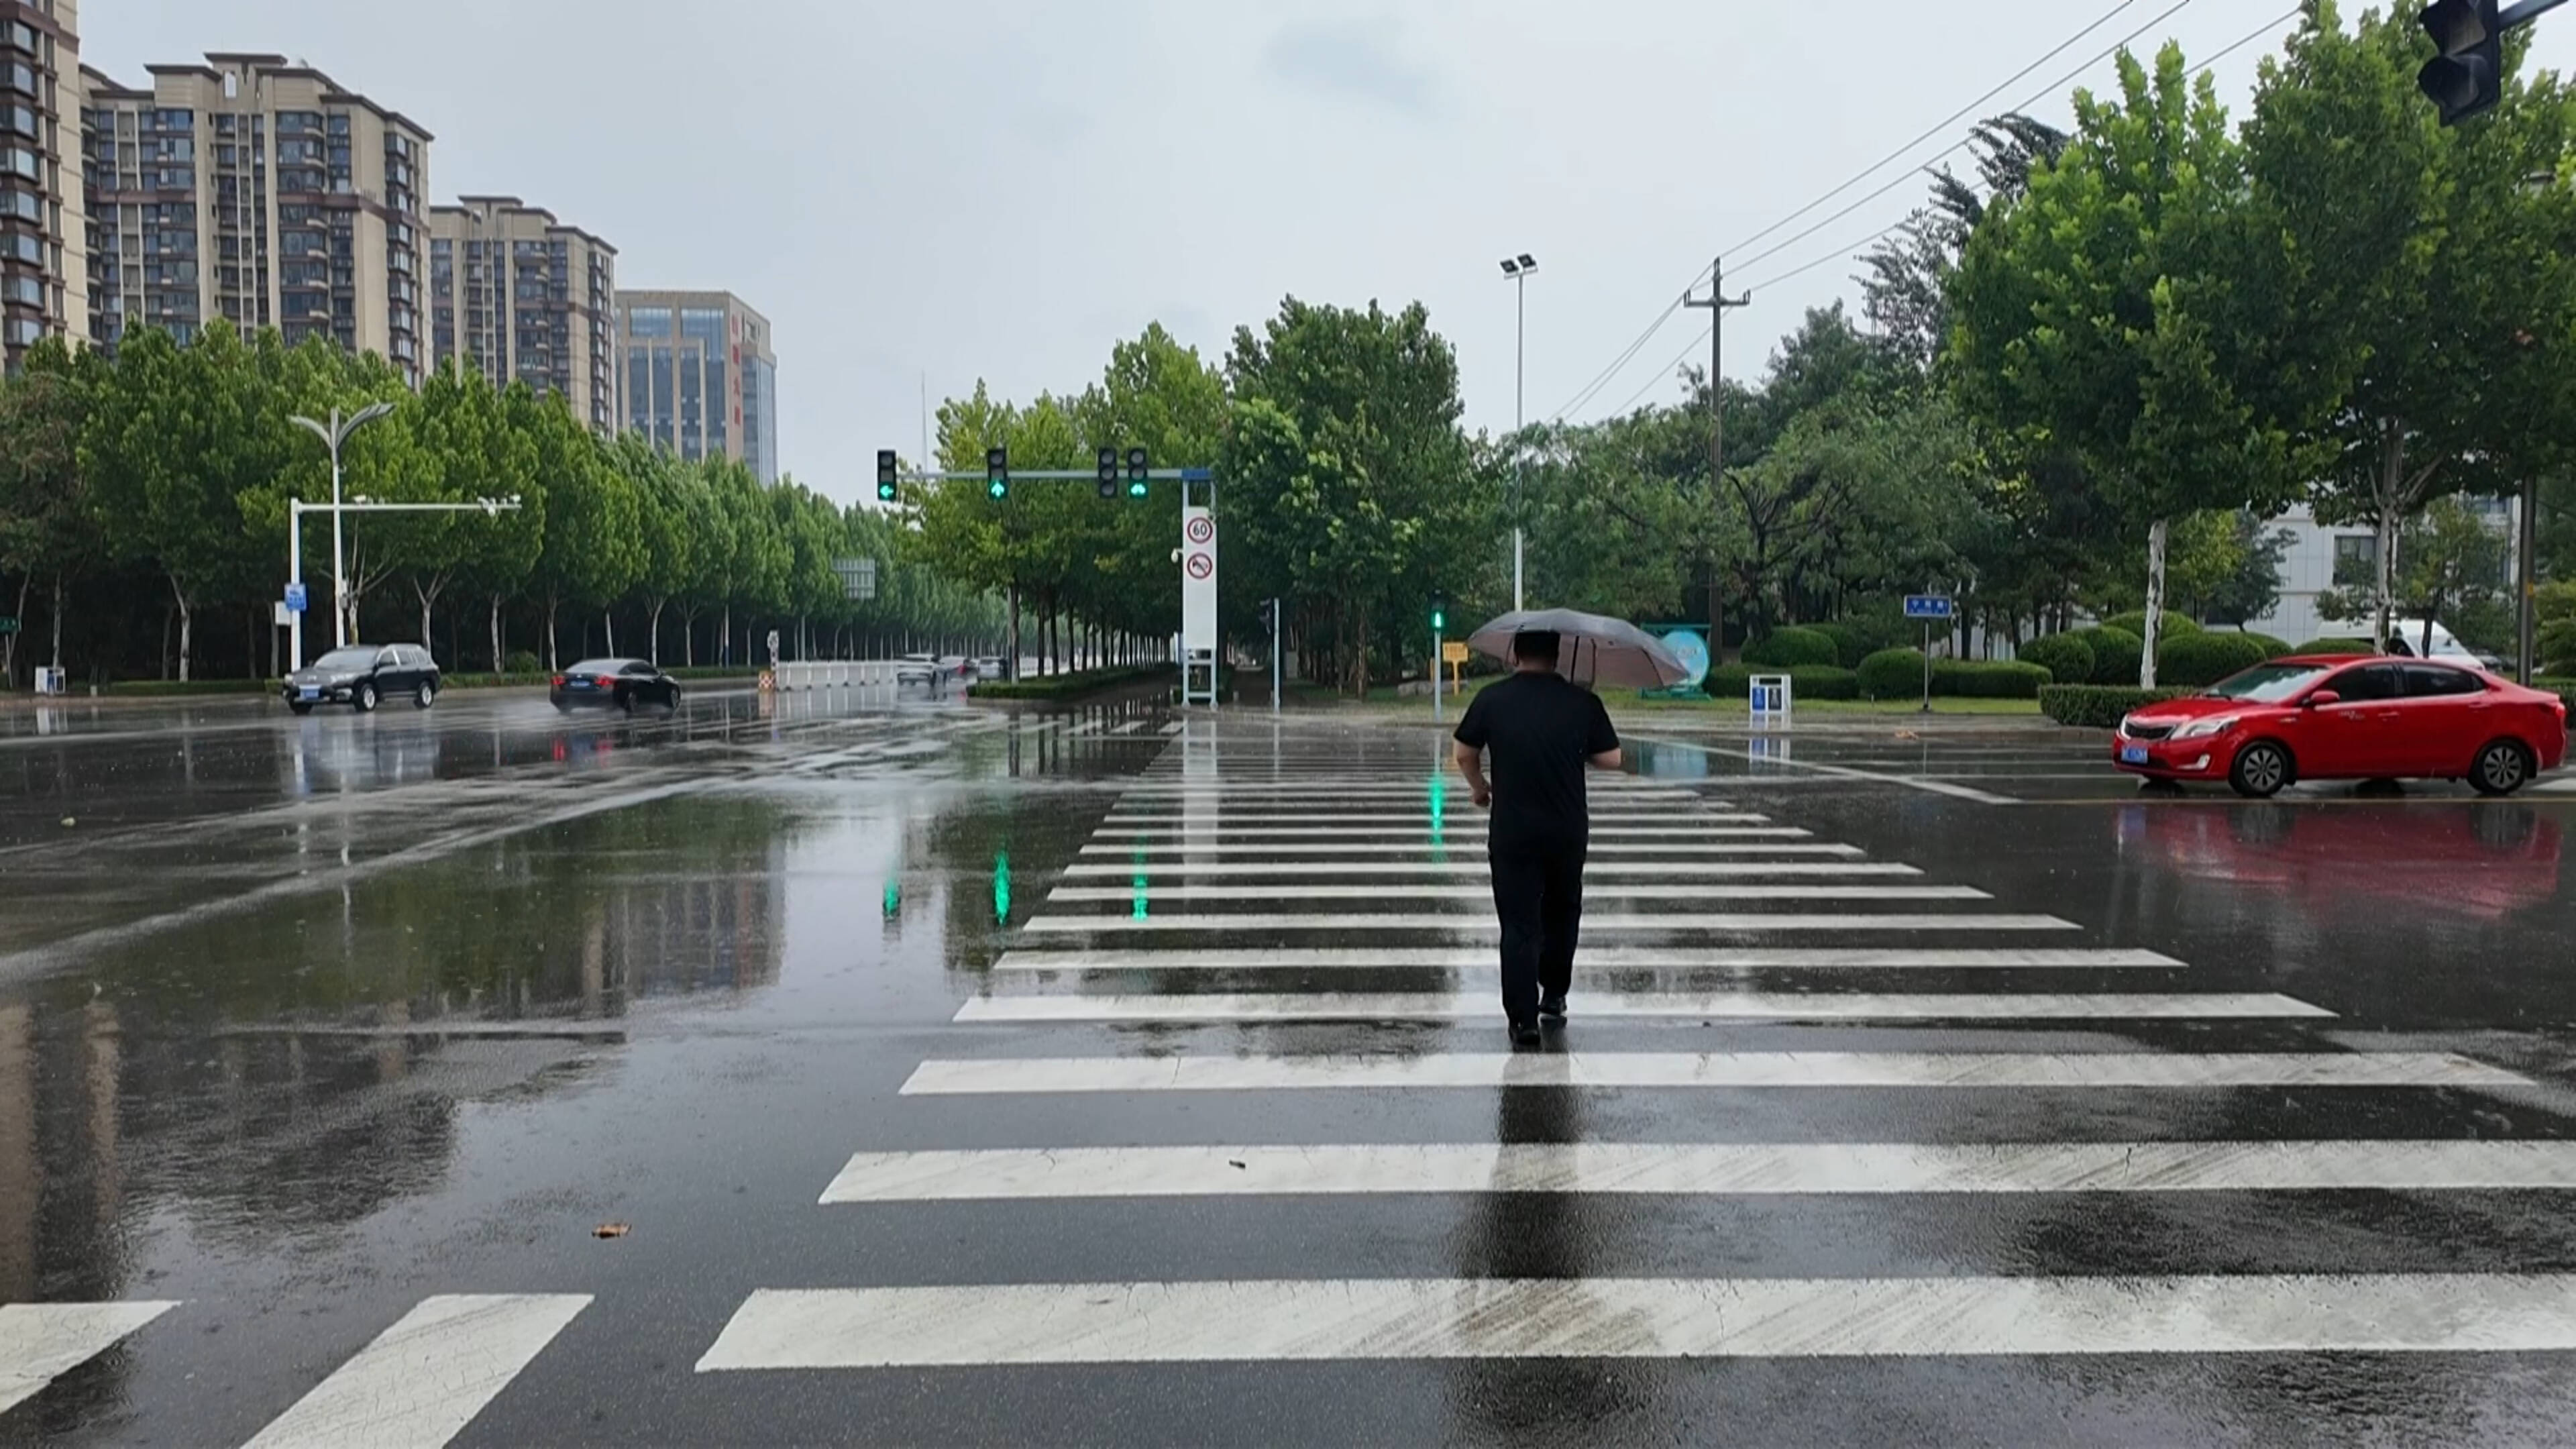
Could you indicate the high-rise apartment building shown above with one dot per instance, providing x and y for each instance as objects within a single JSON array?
[
  {"x": 701, "y": 380},
  {"x": 44, "y": 273},
  {"x": 261, "y": 191},
  {"x": 519, "y": 296}
]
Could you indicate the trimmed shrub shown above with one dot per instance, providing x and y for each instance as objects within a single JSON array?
[
  {"x": 1987, "y": 678},
  {"x": 2116, "y": 653},
  {"x": 1791, "y": 648},
  {"x": 1851, "y": 646},
  {"x": 2135, "y": 622},
  {"x": 2272, "y": 648},
  {"x": 520, "y": 661},
  {"x": 1065, "y": 686},
  {"x": 1729, "y": 681},
  {"x": 2337, "y": 646},
  {"x": 2194, "y": 660},
  {"x": 175, "y": 688},
  {"x": 2097, "y": 706},
  {"x": 1823, "y": 681},
  {"x": 2064, "y": 656},
  {"x": 1892, "y": 674}
]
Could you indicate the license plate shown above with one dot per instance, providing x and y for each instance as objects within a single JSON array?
[
  {"x": 2133, "y": 754},
  {"x": 309, "y": 692}
]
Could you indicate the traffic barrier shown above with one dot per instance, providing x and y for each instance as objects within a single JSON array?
[{"x": 865, "y": 676}]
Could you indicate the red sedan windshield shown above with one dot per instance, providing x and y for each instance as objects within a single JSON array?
[{"x": 2269, "y": 683}]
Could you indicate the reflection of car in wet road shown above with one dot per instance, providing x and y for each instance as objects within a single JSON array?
[
  {"x": 2477, "y": 860},
  {"x": 621, "y": 684},
  {"x": 2338, "y": 718},
  {"x": 363, "y": 676}
]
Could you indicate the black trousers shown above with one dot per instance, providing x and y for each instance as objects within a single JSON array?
[{"x": 1538, "y": 893}]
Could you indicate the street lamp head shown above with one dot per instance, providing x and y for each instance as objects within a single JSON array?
[
  {"x": 1511, "y": 268},
  {"x": 369, "y": 414},
  {"x": 361, "y": 499},
  {"x": 1528, "y": 262}
]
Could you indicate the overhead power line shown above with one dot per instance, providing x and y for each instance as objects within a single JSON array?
[
  {"x": 1608, "y": 374},
  {"x": 1937, "y": 127},
  {"x": 2240, "y": 43}
]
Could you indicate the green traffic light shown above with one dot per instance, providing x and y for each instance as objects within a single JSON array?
[
  {"x": 1136, "y": 489},
  {"x": 1439, "y": 619},
  {"x": 998, "y": 489},
  {"x": 885, "y": 493}
]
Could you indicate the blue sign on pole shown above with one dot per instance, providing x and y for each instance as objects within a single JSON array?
[
  {"x": 1927, "y": 606},
  {"x": 295, "y": 598}
]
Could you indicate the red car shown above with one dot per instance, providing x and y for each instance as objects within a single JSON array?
[{"x": 2341, "y": 718}]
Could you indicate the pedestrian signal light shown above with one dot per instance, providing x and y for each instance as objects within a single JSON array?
[
  {"x": 997, "y": 472},
  {"x": 885, "y": 475},
  {"x": 1439, "y": 616}
]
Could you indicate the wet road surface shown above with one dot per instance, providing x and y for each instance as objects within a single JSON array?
[{"x": 948, "y": 1075}]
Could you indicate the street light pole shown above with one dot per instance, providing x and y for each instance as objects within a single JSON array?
[
  {"x": 296, "y": 508},
  {"x": 1518, "y": 269},
  {"x": 333, "y": 434}
]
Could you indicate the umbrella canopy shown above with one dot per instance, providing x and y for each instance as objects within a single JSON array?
[{"x": 1592, "y": 649}]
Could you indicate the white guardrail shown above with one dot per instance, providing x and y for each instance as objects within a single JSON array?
[{"x": 866, "y": 676}]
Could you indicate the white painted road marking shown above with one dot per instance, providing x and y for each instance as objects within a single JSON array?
[
  {"x": 1754, "y": 842},
  {"x": 39, "y": 1342},
  {"x": 1455, "y": 826},
  {"x": 1689, "y": 1005},
  {"x": 1594, "y": 870},
  {"x": 1706, "y": 1069},
  {"x": 1346, "y": 790},
  {"x": 1483, "y": 895},
  {"x": 1451, "y": 1318},
  {"x": 1753, "y": 1169},
  {"x": 425, "y": 1378},
  {"x": 1468, "y": 924},
  {"x": 1460, "y": 815},
  {"x": 1595, "y": 959}
]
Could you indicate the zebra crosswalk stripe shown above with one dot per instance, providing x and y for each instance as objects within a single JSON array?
[
  {"x": 1483, "y": 895},
  {"x": 39, "y": 1342},
  {"x": 426, "y": 1377},
  {"x": 1450, "y": 1318},
  {"x": 1711, "y": 1169},
  {"x": 1597, "y": 959},
  {"x": 2025, "y": 1070},
  {"x": 1676, "y": 1005},
  {"x": 1464, "y": 924}
]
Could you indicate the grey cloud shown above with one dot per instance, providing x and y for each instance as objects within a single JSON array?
[{"x": 1350, "y": 60}]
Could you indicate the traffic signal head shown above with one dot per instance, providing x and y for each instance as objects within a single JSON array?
[
  {"x": 997, "y": 472},
  {"x": 1136, "y": 473},
  {"x": 886, "y": 470},
  {"x": 1109, "y": 472},
  {"x": 2466, "y": 77},
  {"x": 1439, "y": 614}
]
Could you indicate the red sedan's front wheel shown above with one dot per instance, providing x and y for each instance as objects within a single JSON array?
[{"x": 2260, "y": 770}]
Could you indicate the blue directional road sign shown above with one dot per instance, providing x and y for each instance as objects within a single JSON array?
[
  {"x": 295, "y": 597},
  {"x": 1927, "y": 606}
]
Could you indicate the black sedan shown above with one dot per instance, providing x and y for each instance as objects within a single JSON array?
[
  {"x": 619, "y": 684},
  {"x": 363, "y": 676}
]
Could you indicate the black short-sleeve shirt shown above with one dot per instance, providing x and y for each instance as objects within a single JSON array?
[{"x": 1541, "y": 729}]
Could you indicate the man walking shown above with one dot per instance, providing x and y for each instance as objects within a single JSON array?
[{"x": 1542, "y": 729}]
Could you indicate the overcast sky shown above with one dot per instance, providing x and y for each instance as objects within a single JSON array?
[{"x": 954, "y": 189}]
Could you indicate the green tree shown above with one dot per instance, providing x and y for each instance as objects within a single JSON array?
[
  {"x": 593, "y": 547},
  {"x": 672, "y": 512},
  {"x": 473, "y": 453},
  {"x": 47, "y": 528},
  {"x": 2112, "y": 311},
  {"x": 2433, "y": 284}
]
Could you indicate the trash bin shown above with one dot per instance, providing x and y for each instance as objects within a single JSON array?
[{"x": 51, "y": 681}]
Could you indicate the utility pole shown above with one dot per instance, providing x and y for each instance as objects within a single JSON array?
[
  {"x": 1516, "y": 270},
  {"x": 1717, "y": 304}
]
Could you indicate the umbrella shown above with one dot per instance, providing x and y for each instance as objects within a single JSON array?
[{"x": 1594, "y": 649}]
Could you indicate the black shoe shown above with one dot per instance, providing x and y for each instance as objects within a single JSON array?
[
  {"x": 1551, "y": 1011},
  {"x": 1525, "y": 1034}
]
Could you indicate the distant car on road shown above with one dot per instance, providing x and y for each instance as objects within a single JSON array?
[
  {"x": 2327, "y": 717},
  {"x": 619, "y": 684},
  {"x": 363, "y": 676},
  {"x": 989, "y": 668}
]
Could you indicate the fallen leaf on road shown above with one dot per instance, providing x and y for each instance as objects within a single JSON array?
[
  {"x": 1907, "y": 735},
  {"x": 609, "y": 1230},
  {"x": 1230, "y": 1162},
  {"x": 70, "y": 821}
]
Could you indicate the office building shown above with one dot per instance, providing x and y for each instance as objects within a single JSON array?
[
  {"x": 261, "y": 191},
  {"x": 701, "y": 380},
  {"x": 519, "y": 296},
  {"x": 44, "y": 239}
]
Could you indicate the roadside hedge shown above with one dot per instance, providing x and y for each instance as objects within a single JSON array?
[
  {"x": 2064, "y": 656},
  {"x": 1066, "y": 686},
  {"x": 2337, "y": 646},
  {"x": 1851, "y": 646},
  {"x": 1892, "y": 674},
  {"x": 1730, "y": 681},
  {"x": 1823, "y": 681},
  {"x": 1792, "y": 648},
  {"x": 2116, "y": 653},
  {"x": 181, "y": 689},
  {"x": 2135, "y": 622},
  {"x": 2097, "y": 706},
  {"x": 2194, "y": 660},
  {"x": 1988, "y": 678}
]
